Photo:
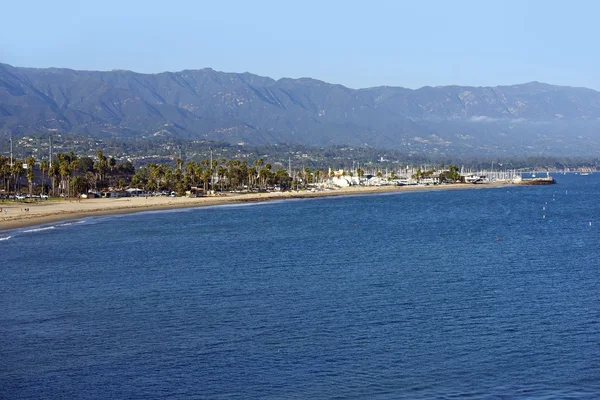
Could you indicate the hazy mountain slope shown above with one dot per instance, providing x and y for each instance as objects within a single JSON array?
[{"x": 206, "y": 104}]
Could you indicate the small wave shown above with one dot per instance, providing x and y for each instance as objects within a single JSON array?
[
  {"x": 69, "y": 223},
  {"x": 39, "y": 229},
  {"x": 5, "y": 238}
]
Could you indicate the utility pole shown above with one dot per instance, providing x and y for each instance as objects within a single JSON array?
[{"x": 11, "y": 152}]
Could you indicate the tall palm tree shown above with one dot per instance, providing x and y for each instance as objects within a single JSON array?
[
  {"x": 221, "y": 174},
  {"x": 190, "y": 169},
  {"x": 44, "y": 170},
  {"x": 17, "y": 171},
  {"x": 54, "y": 172},
  {"x": 101, "y": 166},
  {"x": 5, "y": 170},
  {"x": 30, "y": 165},
  {"x": 65, "y": 168},
  {"x": 206, "y": 173}
]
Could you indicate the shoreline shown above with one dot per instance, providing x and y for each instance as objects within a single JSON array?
[{"x": 44, "y": 212}]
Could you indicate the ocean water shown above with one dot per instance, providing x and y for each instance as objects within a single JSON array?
[{"x": 486, "y": 293}]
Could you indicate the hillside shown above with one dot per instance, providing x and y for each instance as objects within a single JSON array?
[{"x": 532, "y": 118}]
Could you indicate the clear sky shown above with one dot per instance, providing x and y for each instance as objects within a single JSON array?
[{"x": 354, "y": 43}]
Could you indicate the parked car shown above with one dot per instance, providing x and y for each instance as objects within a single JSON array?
[
  {"x": 44, "y": 196},
  {"x": 20, "y": 197}
]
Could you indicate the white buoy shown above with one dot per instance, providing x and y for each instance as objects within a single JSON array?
[
  {"x": 544, "y": 217},
  {"x": 544, "y": 208},
  {"x": 590, "y": 223}
]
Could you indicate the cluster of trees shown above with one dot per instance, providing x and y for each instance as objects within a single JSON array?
[
  {"x": 450, "y": 174},
  {"x": 219, "y": 175},
  {"x": 67, "y": 175},
  {"x": 12, "y": 174},
  {"x": 70, "y": 175}
]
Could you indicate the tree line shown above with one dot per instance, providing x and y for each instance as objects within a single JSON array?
[{"x": 69, "y": 175}]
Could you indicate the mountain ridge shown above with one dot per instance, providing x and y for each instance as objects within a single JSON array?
[
  {"x": 300, "y": 78},
  {"x": 205, "y": 104}
]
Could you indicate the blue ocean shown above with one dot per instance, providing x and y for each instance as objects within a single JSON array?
[{"x": 486, "y": 293}]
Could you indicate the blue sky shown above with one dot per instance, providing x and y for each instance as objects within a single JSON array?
[{"x": 354, "y": 43}]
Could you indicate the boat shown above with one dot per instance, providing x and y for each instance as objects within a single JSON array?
[{"x": 585, "y": 173}]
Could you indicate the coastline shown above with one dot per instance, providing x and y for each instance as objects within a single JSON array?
[{"x": 44, "y": 212}]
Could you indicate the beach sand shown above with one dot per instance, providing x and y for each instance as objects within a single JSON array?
[{"x": 47, "y": 211}]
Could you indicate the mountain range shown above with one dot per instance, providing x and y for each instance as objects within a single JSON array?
[{"x": 531, "y": 118}]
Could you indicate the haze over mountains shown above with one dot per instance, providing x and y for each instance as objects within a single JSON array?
[{"x": 531, "y": 118}]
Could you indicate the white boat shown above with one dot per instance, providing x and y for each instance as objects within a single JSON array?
[{"x": 585, "y": 173}]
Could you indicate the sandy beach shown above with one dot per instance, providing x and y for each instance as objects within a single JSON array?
[{"x": 22, "y": 214}]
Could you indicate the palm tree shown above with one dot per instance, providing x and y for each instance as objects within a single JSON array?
[
  {"x": 417, "y": 175},
  {"x": 221, "y": 174},
  {"x": 190, "y": 169},
  {"x": 65, "y": 175},
  {"x": 360, "y": 172},
  {"x": 5, "y": 170},
  {"x": 258, "y": 164},
  {"x": 80, "y": 185},
  {"x": 17, "y": 171},
  {"x": 30, "y": 166},
  {"x": 101, "y": 166},
  {"x": 307, "y": 176},
  {"x": 54, "y": 172},
  {"x": 44, "y": 170},
  {"x": 251, "y": 175},
  {"x": 206, "y": 177}
]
